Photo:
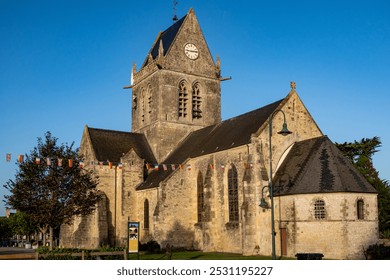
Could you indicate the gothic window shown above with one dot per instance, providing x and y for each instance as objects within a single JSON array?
[
  {"x": 233, "y": 194},
  {"x": 319, "y": 209},
  {"x": 146, "y": 214},
  {"x": 196, "y": 102},
  {"x": 360, "y": 209},
  {"x": 183, "y": 99},
  {"x": 149, "y": 94},
  {"x": 200, "y": 197},
  {"x": 143, "y": 105}
]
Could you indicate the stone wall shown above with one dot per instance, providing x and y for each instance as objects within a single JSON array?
[
  {"x": 87, "y": 232},
  {"x": 340, "y": 235}
]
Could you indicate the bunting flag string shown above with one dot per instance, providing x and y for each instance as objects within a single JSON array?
[
  {"x": 165, "y": 167},
  {"x": 49, "y": 161}
]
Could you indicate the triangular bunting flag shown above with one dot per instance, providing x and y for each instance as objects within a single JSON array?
[
  {"x": 38, "y": 160},
  {"x": 165, "y": 167},
  {"x": 48, "y": 161},
  {"x": 70, "y": 161},
  {"x": 20, "y": 158},
  {"x": 8, "y": 157},
  {"x": 173, "y": 166},
  {"x": 60, "y": 162}
]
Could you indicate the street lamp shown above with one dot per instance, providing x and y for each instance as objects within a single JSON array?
[{"x": 263, "y": 203}]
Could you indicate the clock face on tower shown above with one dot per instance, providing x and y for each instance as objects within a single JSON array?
[{"x": 191, "y": 51}]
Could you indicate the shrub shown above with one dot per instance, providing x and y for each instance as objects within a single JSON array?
[
  {"x": 377, "y": 252},
  {"x": 151, "y": 247},
  {"x": 386, "y": 234}
]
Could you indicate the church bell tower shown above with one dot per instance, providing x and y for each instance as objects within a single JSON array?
[{"x": 177, "y": 89}]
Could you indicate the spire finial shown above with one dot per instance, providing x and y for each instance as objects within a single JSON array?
[
  {"x": 174, "y": 10},
  {"x": 160, "y": 49},
  {"x": 293, "y": 86}
]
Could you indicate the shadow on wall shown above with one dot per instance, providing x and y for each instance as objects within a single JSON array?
[{"x": 179, "y": 237}]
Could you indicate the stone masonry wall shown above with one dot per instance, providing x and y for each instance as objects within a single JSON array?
[{"x": 339, "y": 236}]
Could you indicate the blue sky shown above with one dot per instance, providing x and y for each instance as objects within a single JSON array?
[{"x": 63, "y": 64}]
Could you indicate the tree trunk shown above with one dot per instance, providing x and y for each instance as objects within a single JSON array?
[
  {"x": 51, "y": 238},
  {"x": 43, "y": 230}
]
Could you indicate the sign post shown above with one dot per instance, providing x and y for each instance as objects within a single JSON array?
[{"x": 133, "y": 237}]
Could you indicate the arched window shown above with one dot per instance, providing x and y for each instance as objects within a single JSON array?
[
  {"x": 319, "y": 209},
  {"x": 360, "y": 209},
  {"x": 233, "y": 194},
  {"x": 183, "y": 100},
  {"x": 196, "y": 102},
  {"x": 200, "y": 197},
  {"x": 146, "y": 214},
  {"x": 142, "y": 105},
  {"x": 149, "y": 96}
]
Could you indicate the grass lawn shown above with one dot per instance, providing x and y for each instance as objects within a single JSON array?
[{"x": 198, "y": 255}]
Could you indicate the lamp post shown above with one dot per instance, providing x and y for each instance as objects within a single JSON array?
[{"x": 263, "y": 203}]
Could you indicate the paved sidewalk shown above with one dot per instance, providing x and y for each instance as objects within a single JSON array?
[{"x": 11, "y": 253}]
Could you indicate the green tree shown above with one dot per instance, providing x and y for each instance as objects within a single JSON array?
[
  {"x": 55, "y": 189},
  {"x": 360, "y": 153},
  {"x": 5, "y": 228},
  {"x": 22, "y": 224}
]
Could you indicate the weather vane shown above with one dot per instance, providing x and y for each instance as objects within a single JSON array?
[{"x": 174, "y": 9}]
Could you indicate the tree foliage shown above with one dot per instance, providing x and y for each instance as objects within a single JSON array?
[
  {"x": 51, "y": 194},
  {"x": 360, "y": 153},
  {"x": 5, "y": 228},
  {"x": 22, "y": 224}
]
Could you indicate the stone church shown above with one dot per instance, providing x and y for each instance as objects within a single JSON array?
[{"x": 195, "y": 181}]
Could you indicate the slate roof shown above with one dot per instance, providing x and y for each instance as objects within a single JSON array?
[
  {"x": 317, "y": 166},
  {"x": 228, "y": 134},
  {"x": 112, "y": 145},
  {"x": 167, "y": 38}
]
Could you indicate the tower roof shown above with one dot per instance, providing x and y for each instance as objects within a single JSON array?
[
  {"x": 318, "y": 166},
  {"x": 166, "y": 37}
]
